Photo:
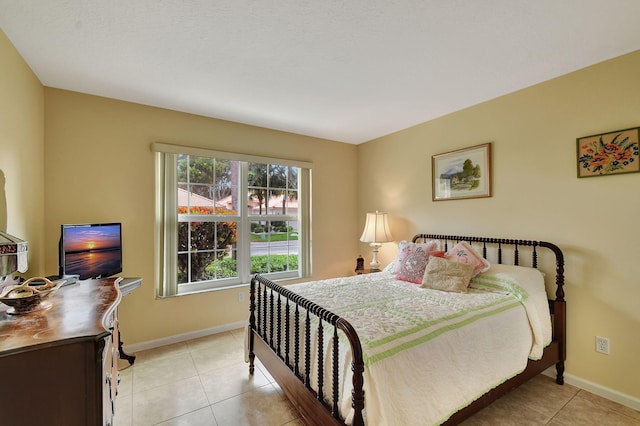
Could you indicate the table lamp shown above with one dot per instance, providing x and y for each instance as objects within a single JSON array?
[{"x": 376, "y": 231}]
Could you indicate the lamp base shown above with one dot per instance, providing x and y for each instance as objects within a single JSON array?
[{"x": 375, "y": 264}]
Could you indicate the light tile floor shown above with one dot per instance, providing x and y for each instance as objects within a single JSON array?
[{"x": 205, "y": 381}]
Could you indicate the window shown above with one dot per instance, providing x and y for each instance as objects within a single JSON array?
[{"x": 223, "y": 217}]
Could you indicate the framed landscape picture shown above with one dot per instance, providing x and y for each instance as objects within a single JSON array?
[
  {"x": 608, "y": 153},
  {"x": 465, "y": 173}
]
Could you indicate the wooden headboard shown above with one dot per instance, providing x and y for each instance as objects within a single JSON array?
[{"x": 501, "y": 246}]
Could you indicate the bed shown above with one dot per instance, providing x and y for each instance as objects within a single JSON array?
[{"x": 366, "y": 350}]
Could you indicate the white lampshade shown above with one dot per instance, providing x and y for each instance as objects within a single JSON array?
[{"x": 376, "y": 229}]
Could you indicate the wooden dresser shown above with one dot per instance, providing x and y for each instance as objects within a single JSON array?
[{"x": 60, "y": 366}]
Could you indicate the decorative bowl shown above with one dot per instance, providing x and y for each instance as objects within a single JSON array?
[{"x": 28, "y": 297}]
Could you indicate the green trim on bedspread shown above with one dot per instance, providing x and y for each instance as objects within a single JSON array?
[{"x": 392, "y": 316}]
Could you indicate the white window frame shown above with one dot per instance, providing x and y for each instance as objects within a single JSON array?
[{"x": 166, "y": 245}]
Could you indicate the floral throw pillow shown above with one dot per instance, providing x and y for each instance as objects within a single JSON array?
[
  {"x": 405, "y": 247},
  {"x": 412, "y": 260},
  {"x": 464, "y": 253}
]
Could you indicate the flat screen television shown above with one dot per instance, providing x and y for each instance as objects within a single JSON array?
[{"x": 91, "y": 250}]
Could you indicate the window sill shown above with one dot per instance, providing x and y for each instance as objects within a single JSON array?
[{"x": 277, "y": 277}]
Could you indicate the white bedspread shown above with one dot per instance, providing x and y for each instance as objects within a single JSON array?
[{"x": 430, "y": 353}]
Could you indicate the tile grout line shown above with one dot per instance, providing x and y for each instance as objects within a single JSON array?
[
  {"x": 210, "y": 404},
  {"x": 562, "y": 408}
]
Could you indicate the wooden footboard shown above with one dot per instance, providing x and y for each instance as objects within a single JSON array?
[
  {"x": 272, "y": 305},
  {"x": 277, "y": 331}
]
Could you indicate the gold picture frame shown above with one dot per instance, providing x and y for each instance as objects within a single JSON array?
[
  {"x": 462, "y": 174},
  {"x": 608, "y": 153}
]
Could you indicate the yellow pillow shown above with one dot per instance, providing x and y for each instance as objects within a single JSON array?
[{"x": 442, "y": 274}]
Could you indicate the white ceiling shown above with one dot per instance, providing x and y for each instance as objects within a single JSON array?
[{"x": 346, "y": 70}]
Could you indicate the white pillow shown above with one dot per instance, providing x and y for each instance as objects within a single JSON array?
[{"x": 527, "y": 285}]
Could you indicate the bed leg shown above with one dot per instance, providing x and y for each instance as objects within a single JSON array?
[
  {"x": 251, "y": 365},
  {"x": 252, "y": 355},
  {"x": 560, "y": 373}
]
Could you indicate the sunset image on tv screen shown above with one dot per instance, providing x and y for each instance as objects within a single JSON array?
[
  {"x": 92, "y": 251},
  {"x": 92, "y": 238}
]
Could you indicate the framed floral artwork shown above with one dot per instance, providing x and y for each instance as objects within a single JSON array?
[
  {"x": 465, "y": 173},
  {"x": 608, "y": 153}
]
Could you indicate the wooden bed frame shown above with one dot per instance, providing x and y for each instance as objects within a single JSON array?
[{"x": 269, "y": 303}]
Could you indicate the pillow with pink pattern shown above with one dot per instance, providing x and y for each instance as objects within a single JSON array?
[
  {"x": 464, "y": 253},
  {"x": 412, "y": 259}
]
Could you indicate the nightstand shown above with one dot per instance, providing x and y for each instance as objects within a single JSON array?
[{"x": 367, "y": 271}]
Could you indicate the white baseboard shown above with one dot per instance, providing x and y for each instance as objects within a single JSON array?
[
  {"x": 150, "y": 344},
  {"x": 594, "y": 388}
]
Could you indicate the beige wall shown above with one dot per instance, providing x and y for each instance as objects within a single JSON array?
[
  {"x": 21, "y": 153},
  {"x": 100, "y": 168},
  {"x": 537, "y": 195}
]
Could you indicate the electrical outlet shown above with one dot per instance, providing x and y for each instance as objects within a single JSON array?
[
  {"x": 240, "y": 296},
  {"x": 602, "y": 345}
]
